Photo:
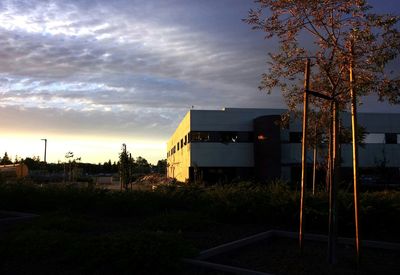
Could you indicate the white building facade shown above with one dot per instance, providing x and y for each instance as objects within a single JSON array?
[{"x": 218, "y": 145}]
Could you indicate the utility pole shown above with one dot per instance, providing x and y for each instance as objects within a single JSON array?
[{"x": 45, "y": 148}]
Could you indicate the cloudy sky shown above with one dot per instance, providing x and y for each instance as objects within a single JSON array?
[{"x": 90, "y": 75}]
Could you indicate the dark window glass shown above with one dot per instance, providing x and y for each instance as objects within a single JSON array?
[
  {"x": 390, "y": 138},
  {"x": 185, "y": 142},
  {"x": 223, "y": 137},
  {"x": 181, "y": 143},
  {"x": 228, "y": 137},
  {"x": 295, "y": 137},
  {"x": 199, "y": 136},
  {"x": 245, "y": 136}
]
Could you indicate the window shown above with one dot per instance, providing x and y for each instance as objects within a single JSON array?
[
  {"x": 374, "y": 138},
  {"x": 200, "y": 136},
  {"x": 185, "y": 140},
  {"x": 390, "y": 138},
  {"x": 245, "y": 136},
  {"x": 295, "y": 137},
  {"x": 181, "y": 143},
  {"x": 223, "y": 137},
  {"x": 177, "y": 145},
  {"x": 226, "y": 137}
]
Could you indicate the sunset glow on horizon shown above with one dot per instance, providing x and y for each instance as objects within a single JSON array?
[{"x": 90, "y": 149}]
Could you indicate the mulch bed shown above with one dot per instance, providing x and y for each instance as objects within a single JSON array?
[{"x": 282, "y": 256}]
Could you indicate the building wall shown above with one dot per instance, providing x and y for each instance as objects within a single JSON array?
[
  {"x": 374, "y": 150},
  {"x": 228, "y": 119},
  {"x": 241, "y": 154},
  {"x": 222, "y": 155},
  {"x": 19, "y": 170},
  {"x": 210, "y": 154},
  {"x": 178, "y": 161},
  {"x": 373, "y": 155}
]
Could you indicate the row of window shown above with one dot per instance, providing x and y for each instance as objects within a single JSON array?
[
  {"x": 385, "y": 138},
  {"x": 211, "y": 136},
  {"x": 223, "y": 137},
  {"x": 185, "y": 140},
  {"x": 237, "y": 137}
]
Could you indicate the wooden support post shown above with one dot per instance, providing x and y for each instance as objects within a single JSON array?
[
  {"x": 304, "y": 151},
  {"x": 355, "y": 154},
  {"x": 314, "y": 157},
  {"x": 334, "y": 161}
]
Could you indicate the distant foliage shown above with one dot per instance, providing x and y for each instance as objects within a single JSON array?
[
  {"x": 5, "y": 159},
  {"x": 126, "y": 165}
]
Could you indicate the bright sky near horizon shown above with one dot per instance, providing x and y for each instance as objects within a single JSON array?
[{"x": 91, "y": 75}]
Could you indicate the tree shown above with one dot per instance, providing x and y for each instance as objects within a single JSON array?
[
  {"x": 142, "y": 166},
  {"x": 5, "y": 160},
  {"x": 68, "y": 156},
  {"x": 32, "y": 163},
  {"x": 325, "y": 31},
  {"x": 350, "y": 46},
  {"x": 161, "y": 166},
  {"x": 125, "y": 167},
  {"x": 335, "y": 34}
]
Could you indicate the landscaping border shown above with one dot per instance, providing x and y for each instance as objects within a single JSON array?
[{"x": 201, "y": 259}]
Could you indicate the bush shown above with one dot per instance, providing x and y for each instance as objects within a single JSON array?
[
  {"x": 274, "y": 205},
  {"x": 55, "y": 252}
]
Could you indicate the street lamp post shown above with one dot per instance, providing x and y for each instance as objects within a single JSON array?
[{"x": 45, "y": 148}]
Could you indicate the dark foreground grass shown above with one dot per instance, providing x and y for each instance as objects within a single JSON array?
[{"x": 93, "y": 231}]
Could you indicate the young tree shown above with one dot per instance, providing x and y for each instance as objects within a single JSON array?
[
  {"x": 334, "y": 34},
  {"x": 68, "y": 156},
  {"x": 125, "y": 167},
  {"x": 324, "y": 30},
  {"x": 350, "y": 47}
]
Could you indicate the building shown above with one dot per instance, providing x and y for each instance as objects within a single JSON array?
[
  {"x": 18, "y": 170},
  {"x": 218, "y": 145}
]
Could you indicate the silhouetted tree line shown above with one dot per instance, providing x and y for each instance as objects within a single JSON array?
[{"x": 140, "y": 166}]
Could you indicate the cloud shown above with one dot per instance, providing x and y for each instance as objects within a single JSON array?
[
  {"x": 126, "y": 67},
  {"x": 114, "y": 58}
]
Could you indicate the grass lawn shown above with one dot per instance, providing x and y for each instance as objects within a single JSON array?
[{"x": 91, "y": 231}]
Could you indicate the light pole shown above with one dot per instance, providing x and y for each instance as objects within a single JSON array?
[{"x": 45, "y": 148}]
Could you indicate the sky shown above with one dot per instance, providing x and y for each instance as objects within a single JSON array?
[{"x": 90, "y": 75}]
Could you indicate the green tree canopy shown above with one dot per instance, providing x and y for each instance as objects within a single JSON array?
[{"x": 5, "y": 160}]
